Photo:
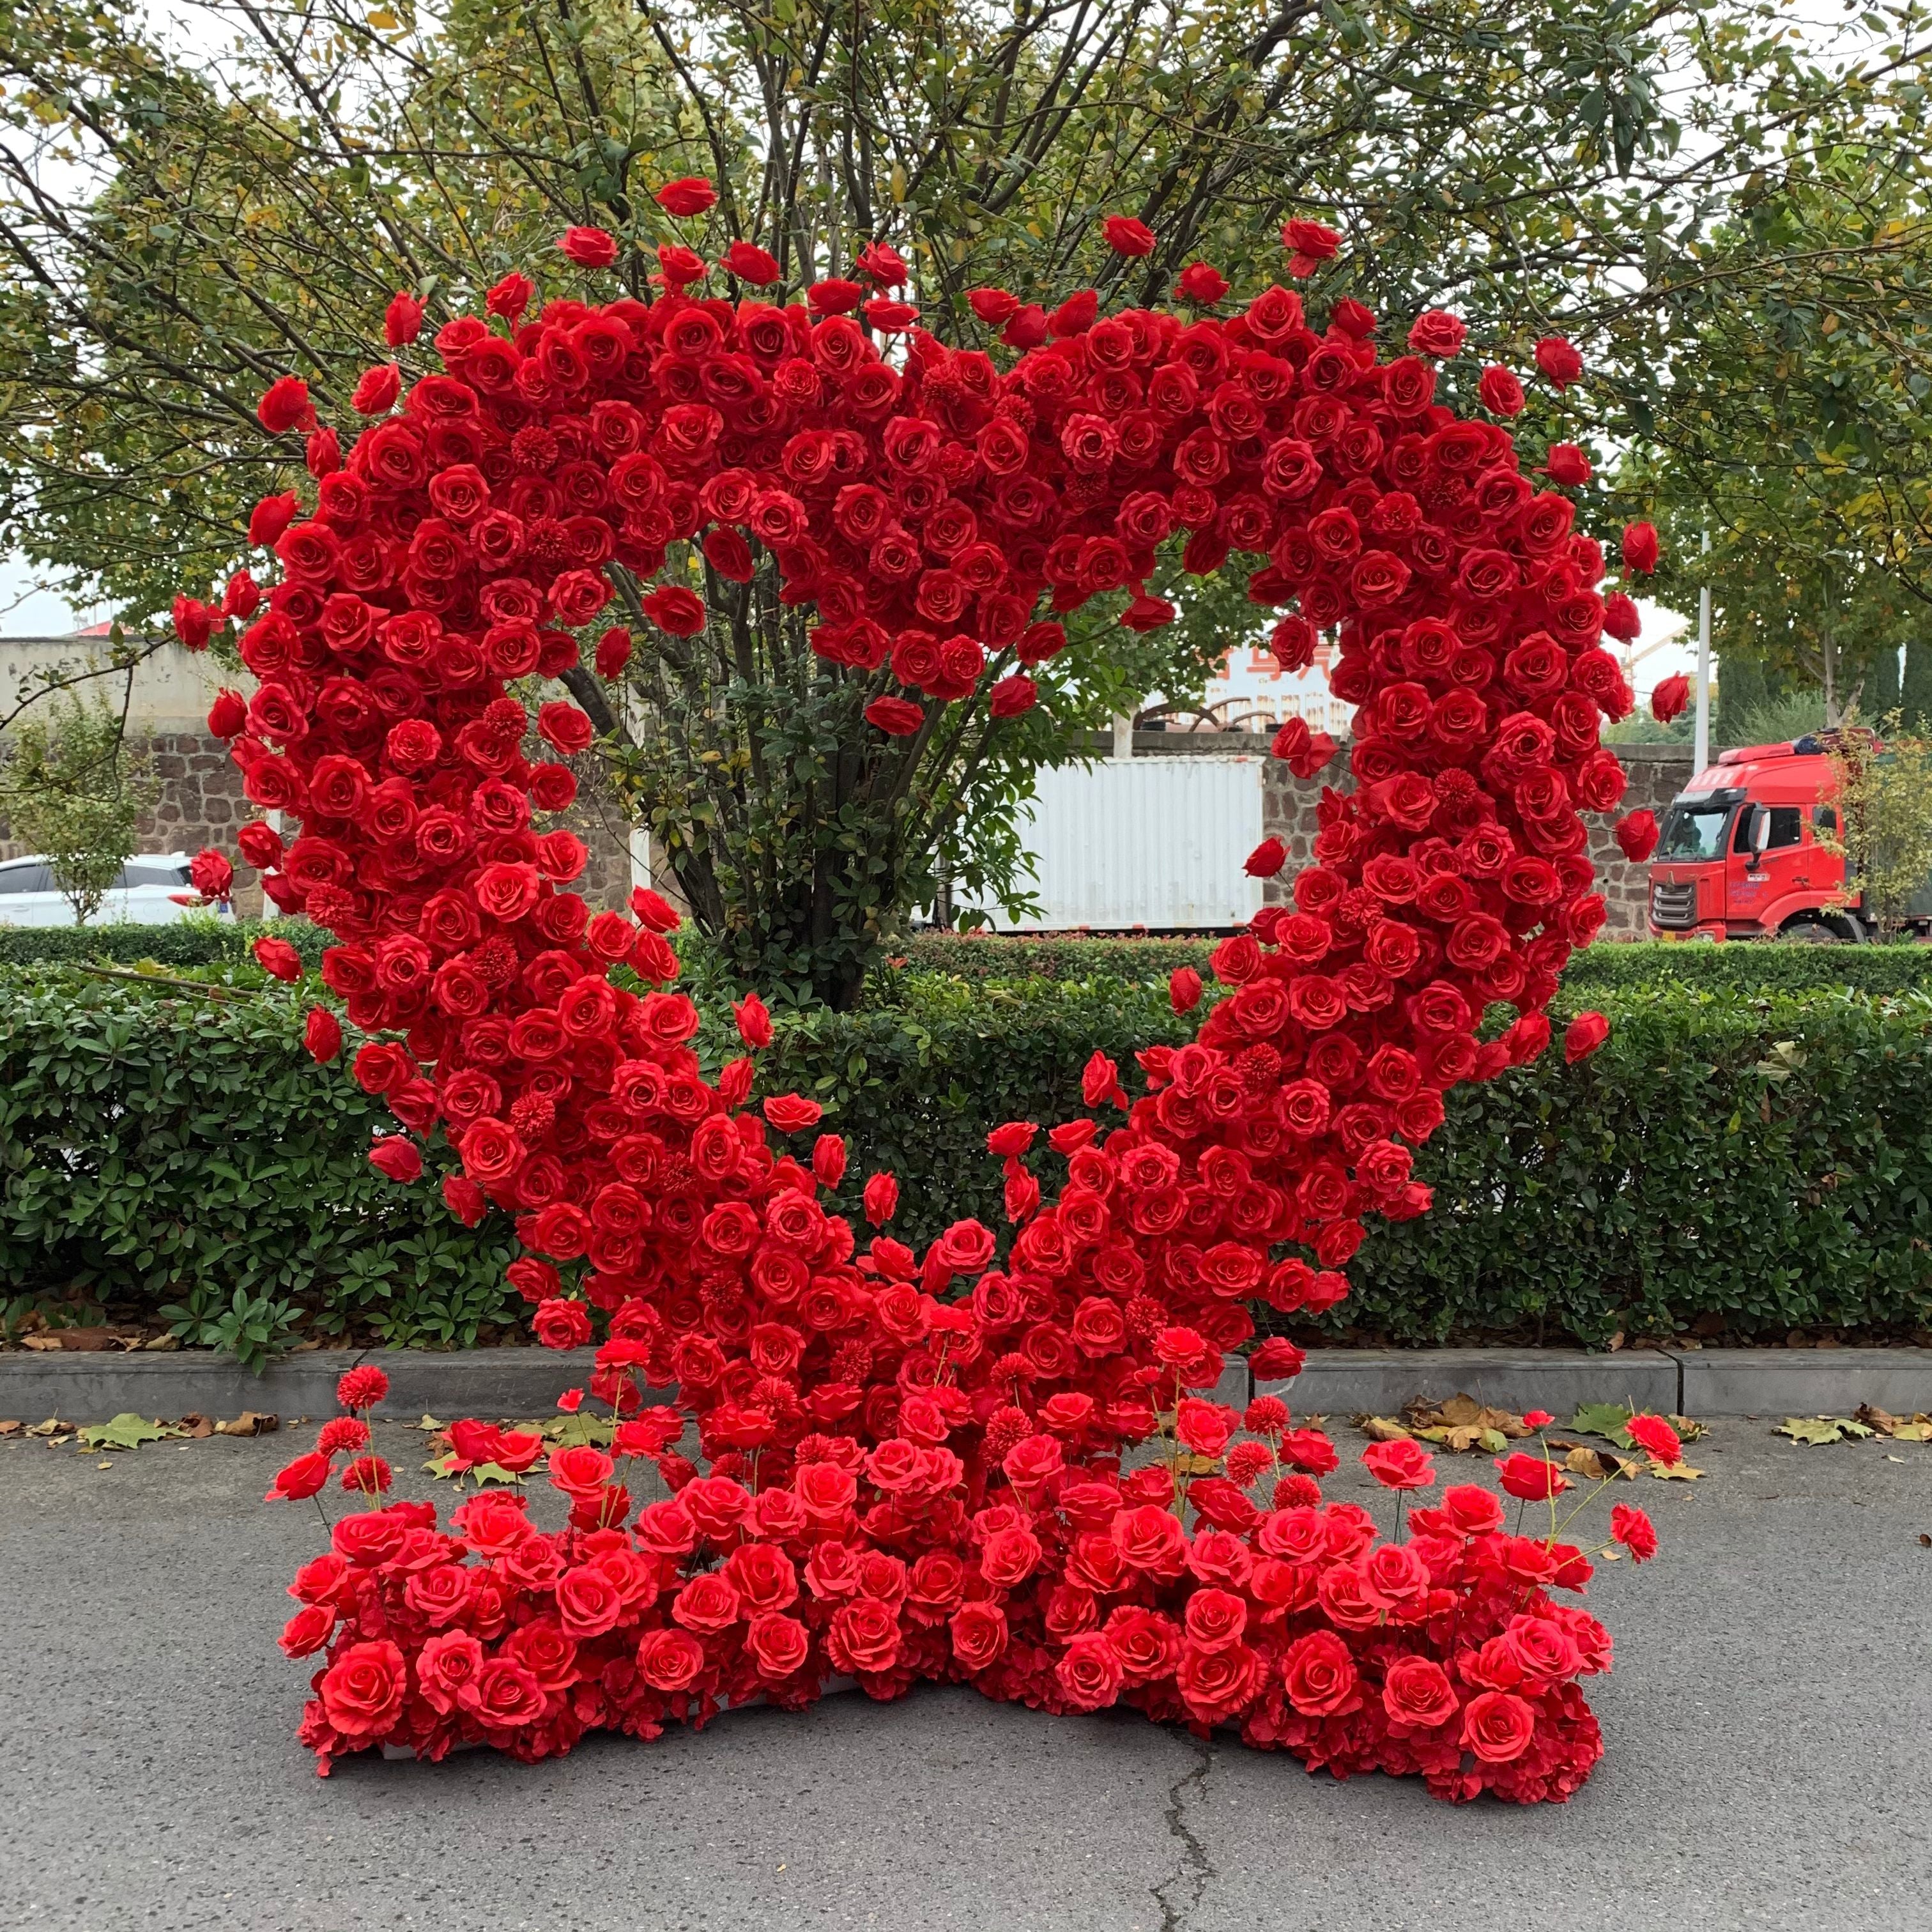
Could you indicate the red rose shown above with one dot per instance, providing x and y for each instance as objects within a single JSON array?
[
  {"x": 1501, "y": 393},
  {"x": 1632, "y": 1528},
  {"x": 1320, "y": 1676},
  {"x": 1436, "y": 332},
  {"x": 297, "y": 1481},
  {"x": 671, "y": 1660},
  {"x": 398, "y": 1158},
  {"x": 1201, "y": 285},
  {"x": 1586, "y": 1034},
  {"x": 1559, "y": 360},
  {"x": 566, "y": 727},
  {"x": 1127, "y": 236},
  {"x": 1670, "y": 698},
  {"x": 881, "y": 1199},
  {"x": 376, "y": 390},
  {"x": 278, "y": 958},
  {"x": 561, "y": 1324},
  {"x": 1400, "y": 1465},
  {"x": 1567, "y": 464},
  {"x": 1417, "y": 1693},
  {"x": 1641, "y": 548},
  {"x": 362, "y": 1691},
  {"x": 589, "y": 248},
  {"x": 1309, "y": 243},
  {"x": 402, "y": 320},
  {"x": 979, "y": 1631},
  {"x": 503, "y": 1694},
  {"x": 1498, "y": 1727},
  {"x": 677, "y": 612},
  {"x": 1533, "y": 1479},
  {"x": 1089, "y": 1670},
  {"x": 1656, "y": 1438},
  {"x": 285, "y": 405},
  {"x": 864, "y": 1636},
  {"x": 751, "y": 264},
  {"x": 692, "y": 195},
  {"x": 897, "y": 717},
  {"x": 791, "y": 1113},
  {"x": 779, "y": 1643},
  {"x": 444, "y": 1665}
]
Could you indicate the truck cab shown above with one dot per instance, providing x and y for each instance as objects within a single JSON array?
[{"x": 1738, "y": 856}]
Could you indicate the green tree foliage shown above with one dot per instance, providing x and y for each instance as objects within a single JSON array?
[
  {"x": 73, "y": 792},
  {"x": 1884, "y": 816}
]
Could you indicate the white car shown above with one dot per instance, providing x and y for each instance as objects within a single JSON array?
[{"x": 153, "y": 889}]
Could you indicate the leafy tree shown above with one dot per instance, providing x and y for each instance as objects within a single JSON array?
[
  {"x": 72, "y": 791},
  {"x": 1884, "y": 803},
  {"x": 1915, "y": 694}
]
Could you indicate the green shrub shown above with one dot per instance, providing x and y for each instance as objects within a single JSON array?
[
  {"x": 1764, "y": 1161},
  {"x": 1765, "y": 966},
  {"x": 1020, "y": 957},
  {"x": 189, "y": 943},
  {"x": 162, "y": 1151}
]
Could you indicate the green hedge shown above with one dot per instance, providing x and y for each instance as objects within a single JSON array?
[
  {"x": 188, "y": 943},
  {"x": 164, "y": 1150},
  {"x": 1767, "y": 966},
  {"x": 983, "y": 956},
  {"x": 1763, "y": 1163}
]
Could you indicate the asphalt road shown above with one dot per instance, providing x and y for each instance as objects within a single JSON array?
[{"x": 1769, "y": 1734}]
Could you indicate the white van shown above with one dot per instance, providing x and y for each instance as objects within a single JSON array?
[{"x": 153, "y": 889}]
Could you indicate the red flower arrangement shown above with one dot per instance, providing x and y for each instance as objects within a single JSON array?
[{"x": 912, "y": 1465}]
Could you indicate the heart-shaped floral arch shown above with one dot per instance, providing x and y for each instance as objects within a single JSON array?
[{"x": 913, "y": 1464}]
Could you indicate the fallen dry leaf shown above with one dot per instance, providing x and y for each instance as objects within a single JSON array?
[
  {"x": 10, "y": 1428},
  {"x": 41, "y": 1342},
  {"x": 1675, "y": 1472},
  {"x": 1897, "y": 1428},
  {"x": 1382, "y": 1429},
  {"x": 53, "y": 1426},
  {"x": 127, "y": 1430},
  {"x": 1462, "y": 1423},
  {"x": 87, "y": 1340},
  {"x": 1924, "y": 1541},
  {"x": 197, "y": 1426},
  {"x": 248, "y": 1423},
  {"x": 1599, "y": 1466}
]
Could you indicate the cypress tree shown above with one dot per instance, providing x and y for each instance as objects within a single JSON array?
[
  {"x": 1915, "y": 691},
  {"x": 1741, "y": 689},
  {"x": 1880, "y": 694}
]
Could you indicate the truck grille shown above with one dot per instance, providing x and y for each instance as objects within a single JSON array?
[{"x": 1673, "y": 908}]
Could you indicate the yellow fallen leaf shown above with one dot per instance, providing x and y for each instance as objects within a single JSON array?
[
  {"x": 1382, "y": 1429},
  {"x": 1675, "y": 1472}
]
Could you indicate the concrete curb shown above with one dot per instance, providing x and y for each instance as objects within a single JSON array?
[{"x": 524, "y": 1383}]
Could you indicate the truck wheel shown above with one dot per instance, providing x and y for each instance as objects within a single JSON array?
[{"x": 1811, "y": 932}]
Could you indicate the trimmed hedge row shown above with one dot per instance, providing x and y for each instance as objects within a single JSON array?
[
  {"x": 188, "y": 943},
  {"x": 1765, "y": 1162}
]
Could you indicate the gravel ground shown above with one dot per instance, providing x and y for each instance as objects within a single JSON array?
[{"x": 1768, "y": 1727}]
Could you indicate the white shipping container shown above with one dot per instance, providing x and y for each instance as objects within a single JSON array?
[{"x": 1158, "y": 842}]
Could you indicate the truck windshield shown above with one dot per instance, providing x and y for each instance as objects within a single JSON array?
[{"x": 1693, "y": 832}]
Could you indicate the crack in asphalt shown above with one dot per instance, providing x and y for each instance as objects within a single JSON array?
[{"x": 1195, "y": 1867}]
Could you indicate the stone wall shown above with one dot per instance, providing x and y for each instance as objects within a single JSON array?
[{"x": 1658, "y": 773}]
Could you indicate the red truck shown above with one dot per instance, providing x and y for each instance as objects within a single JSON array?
[{"x": 1739, "y": 856}]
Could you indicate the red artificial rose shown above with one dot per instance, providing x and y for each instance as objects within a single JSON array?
[
  {"x": 1309, "y": 243},
  {"x": 589, "y": 248},
  {"x": 1670, "y": 698},
  {"x": 1636, "y": 833},
  {"x": 1641, "y": 548},
  {"x": 1401, "y": 1465},
  {"x": 1567, "y": 464},
  {"x": 376, "y": 390},
  {"x": 1501, "y": 393},
  {"x": 1266, "y": 859},
  {"x": 1632, "y": 1528},
  {"x": 1656, "y": 1438},
  {"x": 1436, "y": 332},
  {"x": 1417, "y": 1693},
  {"x": 211, "y": 875},
  {"x": 1497, "y": 1726},
  {"x": 559, "y": 1323},
  {"x": 307, "y": 1476},
  {"x": 677, "y": 612},
  {"x": 285, "y": 405},
  {"x": 880, "y": 1198},
  {"x": 1584, "y": 1034},
  {"x": 751, "y": 264},
  {"x": 691, "y": 196},
  {"x": 278, "y": 959},
  {"x": 1127, "y": 236},
  {"x": 1320, "y": 1676},
  {"x": 1532, "y": 1478},
  {"x": 362, "y": 1691},
  {"x": 1201, "y": 284},
  {"x": 1559, "y": 360},
  {"x": 402, "y": 320},
  {"x": 401, "y": 1159}
]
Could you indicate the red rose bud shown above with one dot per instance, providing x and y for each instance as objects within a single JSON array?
[
  {"x": 1028, "y": 329},
  {"x": 754, "y": 1021},
  {"x": 322, "y": 1035},
  {"x": 692, "y": 196},
  {"x": 1621, "y": 619},
  {"x": 376, "y": 392},
  {"x": 993, "y": 306},
  {"x": 278, "y": 959},
  {"x": 1567, "y": 464},
  {"x": 1354, "y": 321},
  {"x": 402, "y": 320},
  {"x": 1586, "y": 1034},
  {"x": 1013, "y": 695},
  {"x": 510, "y": 297},
  {"x": 464, "y": 1199},
  {"x": 1501, "y": 393},
  {"x": 1183, "y": 989},
  {"x": 828, "y": 1160},
  {"x": 270, "y": 518},
  {"x": 1559, "y": 360},
  {"x": 1266, "y": 859},
  {"x": 307, "y": 1476},
  {"x": 751, "y": 264},
  {"x": 589, "y": 248},
  {"x": 881, "y": 1199},
  {"x": 1127, "y": 236},
  {"x": 285, "y": 405},
  {"x": 613, "y": 652},
  {"x": 890, "y": 318},
  {"x": 897, "y": 717},
  {"x": 1641, "y": 548},
  {"x": 835, "y": 295},
  {"x": 397, "y": 1157},
  {"x": 1201, "y": 285},
  {"x": 1636, "y": 834},
  {"x": 655, "y": 912},
  {"x": 322, "y": 453},
  {"x": 243, "y": 597},
  {"x": 1668, "y": 700},
  {"x": 193, "y": 623}
]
